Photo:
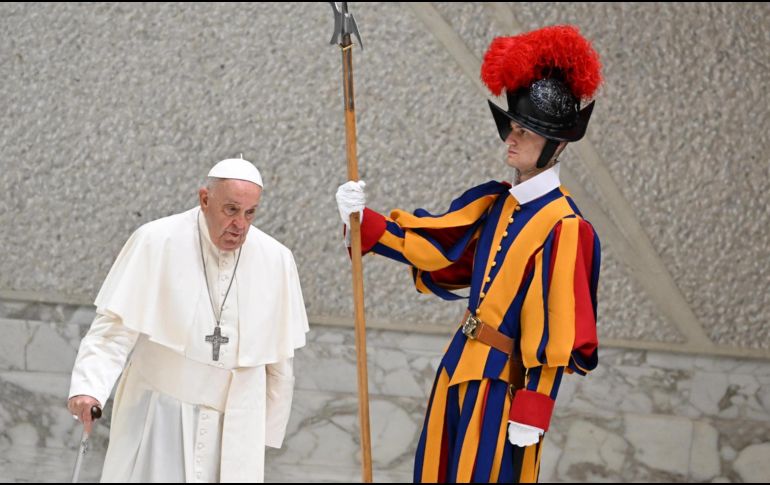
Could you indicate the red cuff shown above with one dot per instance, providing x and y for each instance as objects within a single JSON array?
[
  {"x": 531, "y": 408},
  {"x": 372, "y": 229}
]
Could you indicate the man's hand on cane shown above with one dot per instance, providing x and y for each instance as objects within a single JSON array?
[{"x": 80, "y": 407}]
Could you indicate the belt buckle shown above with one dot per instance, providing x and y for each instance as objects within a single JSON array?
[{"x": 471, "y": 327}]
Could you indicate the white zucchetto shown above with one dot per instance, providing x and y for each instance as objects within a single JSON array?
[{"x": 236, "y": 168}]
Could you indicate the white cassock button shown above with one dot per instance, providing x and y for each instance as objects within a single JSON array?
[
  {"x": 198, "y": 474},
  {"x": 200, "y": 446},
  {"x": 203, "y": 431},
  {"x": 204, "y": 416},
  {"x": 221, "y": 364}
]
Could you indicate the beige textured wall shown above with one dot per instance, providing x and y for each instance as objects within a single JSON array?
[{"x": 113, "y": 113}]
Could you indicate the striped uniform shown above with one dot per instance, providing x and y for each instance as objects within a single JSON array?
[{"x": 532, "y": 269}]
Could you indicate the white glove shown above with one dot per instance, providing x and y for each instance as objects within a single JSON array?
[
  {"x": 523, "y": 434},
  {"x": 351, "y": 199}
]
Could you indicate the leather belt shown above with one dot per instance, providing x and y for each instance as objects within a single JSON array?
[{"x": 475, "y": 329}]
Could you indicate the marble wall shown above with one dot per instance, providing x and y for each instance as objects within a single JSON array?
[{"x": 641, "y": 416}]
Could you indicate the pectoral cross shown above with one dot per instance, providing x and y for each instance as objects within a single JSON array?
[{"x": 216, "y": 340}]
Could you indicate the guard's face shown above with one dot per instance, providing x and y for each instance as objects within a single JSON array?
[
  {"x": 524, "y": 148},
  {"x": 229, "y": 208}
]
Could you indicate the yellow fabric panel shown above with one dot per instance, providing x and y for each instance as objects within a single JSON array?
[
  {"x": 420, "y": 285},
  {"x": 503, "y": 289},
  {"x": 529, "y": 465},
  {"x": 561, "y": 296},
  {"x": 472, "y": 437},
  {"x": 417, "y": 250},
  {"x": 424, "y": 255},
  {"x": 472, "y": 362},
  {"x": 547, "y": 378},
  {"x": 505, "y": 374},
  {"x": 533, "y": 317},
  {"x": 502, "y": 225},
  {"x": 502, "y": 438},
  {"x": 435, "y": 432},
  {"x": 462, "y": 388},
  {"x": 463, "y": 217},
  {"x": 393, "y": 242}
]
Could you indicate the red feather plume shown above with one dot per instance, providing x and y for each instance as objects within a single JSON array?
[{"x": 515, "y": 62}]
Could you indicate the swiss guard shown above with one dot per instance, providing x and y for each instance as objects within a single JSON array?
[{"x": 531, "y": 262}]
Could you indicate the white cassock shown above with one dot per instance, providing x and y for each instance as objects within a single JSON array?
[{"x": 178, "y": 415}]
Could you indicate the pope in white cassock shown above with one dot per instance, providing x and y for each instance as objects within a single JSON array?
[{"x": 210, "y": 311}]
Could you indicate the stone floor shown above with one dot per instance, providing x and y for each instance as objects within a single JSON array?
[{"x": 641, "y": 416}]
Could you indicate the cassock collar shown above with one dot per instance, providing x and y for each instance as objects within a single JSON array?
[{"x": 537, "y": 186}]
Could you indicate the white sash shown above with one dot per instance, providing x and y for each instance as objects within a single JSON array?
[{"x": 237, "y": 393}]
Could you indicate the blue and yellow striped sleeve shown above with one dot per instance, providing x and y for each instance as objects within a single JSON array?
[{"x": 439, "y": 248}]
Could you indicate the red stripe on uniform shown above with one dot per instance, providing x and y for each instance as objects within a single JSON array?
[
  {"x": 443, "y": 459},
  {"x": 586, "y": 340},
  {"x": 372, "y": 228},
  {"x": 531, "y": 408}
]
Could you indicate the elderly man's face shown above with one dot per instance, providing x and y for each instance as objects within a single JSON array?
[{"x": 229, "y": 206}]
